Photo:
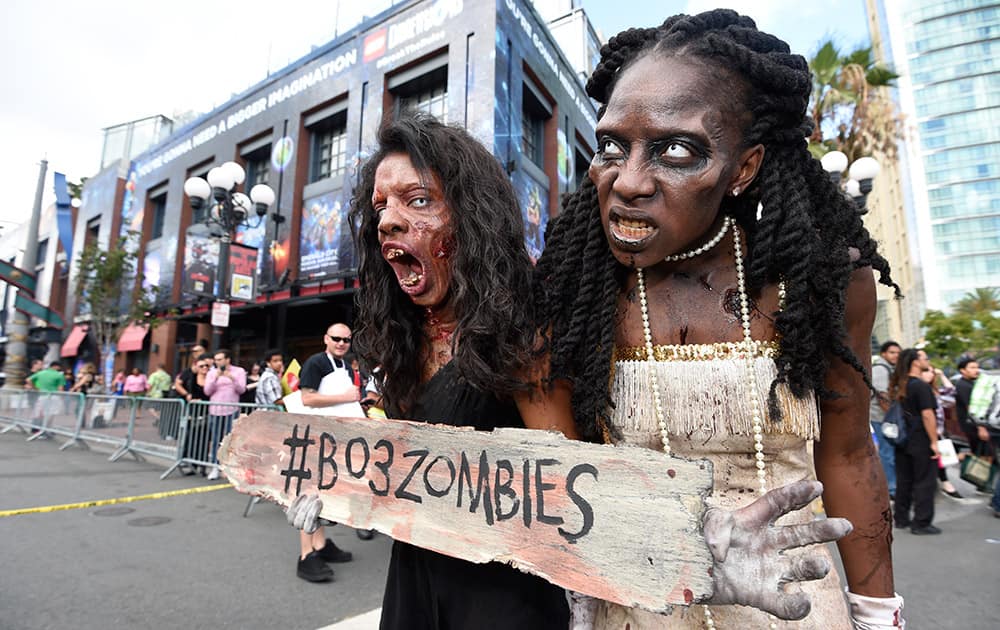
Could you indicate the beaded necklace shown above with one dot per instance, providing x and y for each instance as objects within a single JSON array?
[{"x": 746, "y": 348}]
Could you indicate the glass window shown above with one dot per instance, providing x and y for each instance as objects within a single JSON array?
[
  {"x": 93, "y": 231},
  {"x": 43, "y": 251},
  {"x": 427, "y": 93},
  {"x": 329, "y": 148},
  {"x": 582, "y": 167},
  {"x": 533, "y": 117},
  {"x": 158, "y": 206},
  {"x": 258, "y": 167},
  {"x": 201, "y": 214}
]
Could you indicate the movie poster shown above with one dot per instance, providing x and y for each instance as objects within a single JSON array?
[
  {"x": 320, "y": 240},
  {"x": 242, "y": 270},
  {"x": 201, "y": 260},
  {"x": 534, "y": 200}
]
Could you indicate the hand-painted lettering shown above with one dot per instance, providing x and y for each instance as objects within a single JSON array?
[
  {"x": 349, "y": 457},
  {"x": 503, "y": 488},
  {"x": 383, "y": 467},
  {"x": 294, "y": 443},
  {"x": 482, "y": 486},
  {"x": 324, "y": 438},
  {"x": 526, "y": 484},
  {"x": 581, "y": 504},
  {"x": 431, "y": 490},
  {"x": 540, "y": 488},
  {"x": 401, "y": 492}
]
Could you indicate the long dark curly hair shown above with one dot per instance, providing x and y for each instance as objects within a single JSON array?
[
  {"x": 803, "y": 236},
  {"x": 491, "y": 271}
]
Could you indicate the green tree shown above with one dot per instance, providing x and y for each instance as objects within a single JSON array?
[
  {"x": 851, "y": 109},
  {"x": 979, "y": 302},
  {"x": 973, "y": 328},
  {"x": 76, "y": 188},
  {"x": 108, "y": 292}
]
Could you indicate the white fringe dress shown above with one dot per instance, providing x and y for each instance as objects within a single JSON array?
[{"x": 708, "y": 414}]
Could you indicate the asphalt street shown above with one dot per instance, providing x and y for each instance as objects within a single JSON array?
[
  {"x": 189, "y": 561},
  {"x": 194, "y": 561}
]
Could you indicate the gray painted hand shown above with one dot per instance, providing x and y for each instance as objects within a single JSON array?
[
  {"x": 304, "y": 511},
  {"x": 750, "y": 566}
]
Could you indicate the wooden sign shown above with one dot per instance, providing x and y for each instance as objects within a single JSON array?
[{"x": 616, "y": 522}]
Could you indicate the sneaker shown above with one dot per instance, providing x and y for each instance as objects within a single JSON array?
[
  {"x": 926, "y": 530},
  {"x": 313, "y": 569},
  {"x": 365, "y": 534},
  {"x": 332, "y": 553},
  {"x": 213, "y": 474}
]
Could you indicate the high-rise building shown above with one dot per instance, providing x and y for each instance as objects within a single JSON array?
[{"x": 948, "y": 55}]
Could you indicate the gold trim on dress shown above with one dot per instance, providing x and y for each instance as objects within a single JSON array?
[{"x": 700, "y": 351}]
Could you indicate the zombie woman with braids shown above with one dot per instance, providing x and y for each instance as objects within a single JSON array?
[
  {"x": 446, "y": 309},
  {"x": 710, "y": 293}
]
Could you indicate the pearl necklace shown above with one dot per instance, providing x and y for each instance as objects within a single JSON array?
[
  {"x": 746, "y": 348},
  {"x": 691, "y": 253}
]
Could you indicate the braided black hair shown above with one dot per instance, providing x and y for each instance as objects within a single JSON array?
[
  {"x": 803, "y": 237},
  {"x": 491, "y": 271}
]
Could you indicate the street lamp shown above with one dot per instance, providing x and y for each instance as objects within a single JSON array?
[
  {"x": 229, "y": 210},
  {"x": 861, "y": 174}
]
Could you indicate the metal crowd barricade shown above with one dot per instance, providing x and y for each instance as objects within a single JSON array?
[
  {"x": 17, "y": 409},
  {"x": 43, "y": 414},
  {"x": 63, "y": 413},
  {"x": 153, "y": 429},
  {"x": 106, "y": 419},
  {"x": 203, "y": 426}
]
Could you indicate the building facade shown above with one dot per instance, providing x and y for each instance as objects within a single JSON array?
[
  {"x": 305, "y": 131},
  {"x": 948, "y": 55}
]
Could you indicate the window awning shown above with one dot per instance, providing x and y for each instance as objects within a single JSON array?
[
  {"x": 132, "y": 337},
  {"x": 76, "y": 336}
]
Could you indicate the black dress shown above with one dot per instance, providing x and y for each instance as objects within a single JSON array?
[{"x": 426, "y": 590}]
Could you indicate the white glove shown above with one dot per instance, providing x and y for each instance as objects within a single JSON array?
[
  {"x": 582, "y": 609},
  {"x": 750, "y": 567},
  {"x": 876, "y": 613},
  {"x": 304, "y": 511}
]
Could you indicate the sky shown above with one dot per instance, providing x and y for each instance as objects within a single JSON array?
[{"x": 69, "y": 69}]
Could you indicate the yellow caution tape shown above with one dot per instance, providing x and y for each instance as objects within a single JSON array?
[{"x": 87, "y": 504}]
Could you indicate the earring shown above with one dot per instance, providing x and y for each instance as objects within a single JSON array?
[{"x": 736, "y": 191}]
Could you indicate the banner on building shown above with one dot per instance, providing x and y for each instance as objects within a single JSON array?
[
  {"x": 242, "y": 271},
  {"x": 534, "y": 200},
  {"x": 64, "y": 214},
  {"x": 201, "y": 261},
  {"x": 324, "y": 223}
]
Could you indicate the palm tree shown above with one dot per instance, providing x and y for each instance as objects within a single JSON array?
[
  {"x": 980, "y": 302},
  {"x": 851, "y": 108}
]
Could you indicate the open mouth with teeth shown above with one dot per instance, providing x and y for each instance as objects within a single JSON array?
[
  {"x": 630, "y": 233},
  {"x": 409, "y": 270}
]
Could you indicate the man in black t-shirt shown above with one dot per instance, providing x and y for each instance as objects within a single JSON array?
[
  {"x": 315, "y": 548},
  {"x": 322, "y": 364},
  {"x": 917, "y": 460}
]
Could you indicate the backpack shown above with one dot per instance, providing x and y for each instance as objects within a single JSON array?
[{"x": 894, "y": 428}]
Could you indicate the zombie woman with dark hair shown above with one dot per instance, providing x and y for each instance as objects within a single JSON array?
[
  {"x": 444, "y": 310},
  {"x": 710, "y": 293}
]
